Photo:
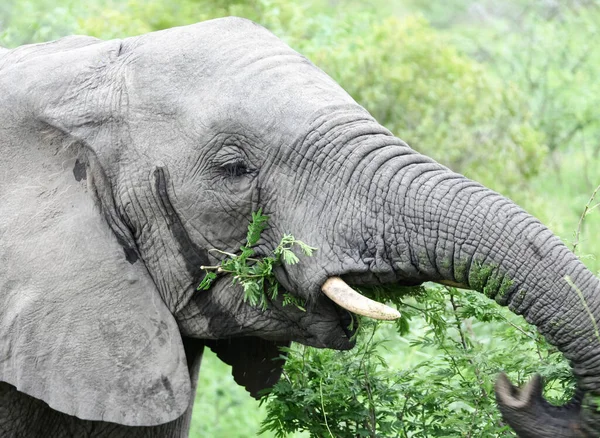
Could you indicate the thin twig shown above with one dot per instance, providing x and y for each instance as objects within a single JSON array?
[
  {"x": 463, "y": 341},
  {"x": 222, "y": 252},
  {"x": 323, "y": 408},
  {"x": 219, "y": 269},
  {"x": 402, "y": 416},
  {"x": 539, "y": 353},
  {"x": 586, "y": 210},
  {"x": 585, "y": 306},
  {"x": 371, "y": 405},
  {"x": 594, "y": 206}
]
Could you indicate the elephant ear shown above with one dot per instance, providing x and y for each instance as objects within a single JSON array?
[{"x": 82, "y": 325}]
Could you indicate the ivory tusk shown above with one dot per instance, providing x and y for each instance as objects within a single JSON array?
[{"x": 346, "y": 297}]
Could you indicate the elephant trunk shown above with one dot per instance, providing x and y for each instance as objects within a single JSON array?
[
  {"x": 412, "y": 220},
  {"x": 449, "y": 229}
]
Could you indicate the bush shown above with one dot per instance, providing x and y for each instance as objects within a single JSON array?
[{"x": 440, "y": 382}]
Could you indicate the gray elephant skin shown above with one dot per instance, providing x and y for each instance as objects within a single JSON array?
[{"x": 124, "y": 162}]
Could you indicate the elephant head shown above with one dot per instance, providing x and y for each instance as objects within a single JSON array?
[{"x": 124, "y": 162}]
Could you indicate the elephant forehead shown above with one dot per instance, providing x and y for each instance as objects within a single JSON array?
[
  {"x": 205, "y": 48},
  {"x": 230, "y": 65}
]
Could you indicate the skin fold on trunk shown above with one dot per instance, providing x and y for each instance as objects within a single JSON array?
[{"x": 459, "y": 232}]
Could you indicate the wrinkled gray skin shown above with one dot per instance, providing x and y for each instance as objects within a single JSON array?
[{"x": 125, "y": 161}]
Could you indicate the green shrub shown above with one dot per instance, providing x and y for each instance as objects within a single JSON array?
[{"x": 440, "y": 378}]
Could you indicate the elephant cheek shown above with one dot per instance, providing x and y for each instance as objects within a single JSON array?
[{"x": 221, "y": 313}]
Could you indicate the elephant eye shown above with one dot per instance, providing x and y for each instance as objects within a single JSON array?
[{"x": 235, "y": 168}]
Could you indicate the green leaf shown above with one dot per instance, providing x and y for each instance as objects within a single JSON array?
[
  {"x": 289, "y": 258},
  {"x": 252, "y": 292},
  {"x": 256, "y": 227},
  {"x": 291, "y": 300},
  {"x": 306, "y": 249},
  {"x": 207, "y": 281}
]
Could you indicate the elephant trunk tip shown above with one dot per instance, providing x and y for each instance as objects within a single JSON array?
[{"x": 531, "y": 416}]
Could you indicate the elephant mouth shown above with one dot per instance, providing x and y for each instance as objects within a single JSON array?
[
  {"x": 347, "y": 321},
  {"x": 341, "y": 301},
  {"x": 330, "y": 320}
]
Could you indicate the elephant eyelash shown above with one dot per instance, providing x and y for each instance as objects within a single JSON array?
[{"x": 235, "y": 169}]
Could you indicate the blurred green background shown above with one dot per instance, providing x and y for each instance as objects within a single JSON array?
[{"x": 504, "y": 92}]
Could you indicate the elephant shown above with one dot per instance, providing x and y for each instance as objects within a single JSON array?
[{"x": 124, "y": 162}]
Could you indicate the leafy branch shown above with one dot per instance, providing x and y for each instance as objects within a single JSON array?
[{"x": 256, "y": 274}]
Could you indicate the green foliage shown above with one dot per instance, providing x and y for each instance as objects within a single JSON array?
[
  {"x": 548, "y": 51},
  {"x": 257, "y": 225},
  {"x": 256, "y": 275},
  {"x": 117, "y": 19},
  {"x": 560, "y": 88},
  {"x": 329, "y": 393},
  {"x": 449, "y": 393},
  {"x": 28, "y": 21}
]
